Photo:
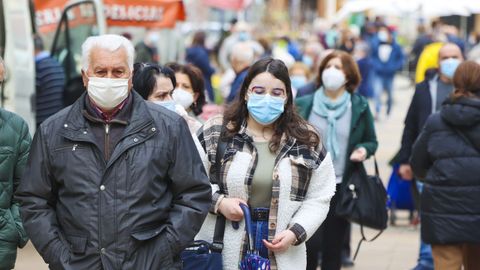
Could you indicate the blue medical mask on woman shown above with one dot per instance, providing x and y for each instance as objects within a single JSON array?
[
  {"x": 298, "y": 81},
  {"x": 169, "y": 104},
  {"x": 448, "y": 67},
  {"x": 265, "y": 109}
]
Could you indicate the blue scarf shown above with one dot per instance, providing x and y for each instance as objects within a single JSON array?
[{"x": 332, "y": 111}]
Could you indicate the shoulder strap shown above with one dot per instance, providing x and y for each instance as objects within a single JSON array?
[
  {"x": 377, "y": 174},
  {"x": 462, "y": 135},
  {"x": 465, "y": 138},
  {"x": 217, "y": 244}
]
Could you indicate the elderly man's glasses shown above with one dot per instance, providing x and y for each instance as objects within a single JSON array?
[{"x": 274, "y": 92}]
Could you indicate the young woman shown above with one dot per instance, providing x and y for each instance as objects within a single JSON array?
[
  {"x": 345, "y": 122},
  {"x": 157, "y": 84},
  {"x": 275, "y": 162},
  {"x": 446, "y": 157},
  {"x": 190, "y": 89}
]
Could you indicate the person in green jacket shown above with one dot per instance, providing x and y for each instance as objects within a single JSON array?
[
  {"x": 345, "y": 123},
  {"x": 14, "y": 146}
]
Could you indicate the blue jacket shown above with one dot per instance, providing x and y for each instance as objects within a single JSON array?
[
  {"x": 198, "y": 56},
  {"x": 394, "y": 63},
  {"x": 236, "y": 84},
  {"x": 49, "y": 87},
  {"x": 365, "y": 88}
]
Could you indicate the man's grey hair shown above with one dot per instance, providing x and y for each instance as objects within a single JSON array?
[
  {"x": 109, "y": 42},
  {"x": 243, "y": 52}
]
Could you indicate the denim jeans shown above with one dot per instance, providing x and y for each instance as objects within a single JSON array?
[
  {"x": 382, "y": 83},
  {"x": 260, "y": 232},
  {"x": 425, "y": 254}
]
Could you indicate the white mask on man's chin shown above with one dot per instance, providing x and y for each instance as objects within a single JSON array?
[{"x": 107, "y": 93}]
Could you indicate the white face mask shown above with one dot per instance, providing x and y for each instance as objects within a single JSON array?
[
  {"x": 333, "y": 79},
  {"x": 107, "y": 93},
  {"x": 183, "y": 97}
]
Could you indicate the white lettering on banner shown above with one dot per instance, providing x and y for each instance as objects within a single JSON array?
[
  {"x": 134, "y": 13},
  {"x": 48, "y": 16}
]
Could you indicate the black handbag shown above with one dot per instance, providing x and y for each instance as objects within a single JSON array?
[
  {"x": 202, "y": 255},
  {"x": 363, "y": 200}
]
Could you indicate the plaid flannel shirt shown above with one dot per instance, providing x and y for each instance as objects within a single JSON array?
[{"x": 310, "y": 159}]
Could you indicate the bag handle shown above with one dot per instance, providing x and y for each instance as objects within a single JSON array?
[
  {"x": 248, "y": 226},
  {"x": 377, "y": 174},
  {"x": 364, "y": 239},
  {"x": 217, "y": 244}
]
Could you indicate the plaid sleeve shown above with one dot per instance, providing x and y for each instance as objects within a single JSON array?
[
  {"x": 208, "y": 135},
  {"x": 299, "y": 232}
]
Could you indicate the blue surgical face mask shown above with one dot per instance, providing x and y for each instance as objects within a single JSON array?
[
  {"x": 265, "y": 109},
  {"x": 307, "y": 60},
  {"x": 243, "y": 36},
  {"x": 298, "y": 81},
  {"x": 383, "y": 36},
  {"x": 169, "y": 104},
  {"x": 448, "y": 67}
]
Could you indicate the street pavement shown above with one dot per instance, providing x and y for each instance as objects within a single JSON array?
[{"x": 395, "y": 249}]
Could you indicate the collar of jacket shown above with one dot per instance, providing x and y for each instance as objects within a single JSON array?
[
  {"x": 76, "y": 125},
  {"x": 121, "y": 117},
  {"x": 359, "y": 105},
  {"x": 243, "y": 133}
]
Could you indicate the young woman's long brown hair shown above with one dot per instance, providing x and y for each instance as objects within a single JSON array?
[
  {"x": 466, "y": 80},
  {"x": 289, "y": 123}
]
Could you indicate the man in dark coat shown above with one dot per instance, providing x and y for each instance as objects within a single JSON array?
[
  {"x": 113, "y": 182},
  {"x": 428, "y": 97}
]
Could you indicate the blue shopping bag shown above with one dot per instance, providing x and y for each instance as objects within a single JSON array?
[{"x": 399, "y": 191}]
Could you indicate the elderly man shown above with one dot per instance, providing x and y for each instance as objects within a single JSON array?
[
  {"x": 241, "y": 58},
  {"x": 14, "y": 144},
  {"x": 428, "y": 98},
  {"x": 113, "y": 182}
]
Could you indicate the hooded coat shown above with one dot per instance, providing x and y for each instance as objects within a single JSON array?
[{"x": 446, "y": 157}]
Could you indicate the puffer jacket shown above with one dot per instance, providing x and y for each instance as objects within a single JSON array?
[
  {"x": 446, "y": 157},
  {"x": 135, "y": 211},
  {"x": 14, "y": 145}
]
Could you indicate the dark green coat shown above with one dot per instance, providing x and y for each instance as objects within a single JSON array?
[
  {"x": 14, "y": 146},
  {"x": 362, "y": 129}
]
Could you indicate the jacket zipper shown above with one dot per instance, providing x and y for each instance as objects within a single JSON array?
[{"x": 107, "y": 142}]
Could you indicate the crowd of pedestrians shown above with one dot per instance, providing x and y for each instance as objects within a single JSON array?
[{"x": 152, "y": 157}]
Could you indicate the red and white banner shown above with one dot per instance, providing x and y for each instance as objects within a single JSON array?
[
  {"x": 228, "y": 4},
  {"x": 141, "y": 13}
]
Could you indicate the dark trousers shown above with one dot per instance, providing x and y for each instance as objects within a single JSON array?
[{"x": 329, "y": 239}]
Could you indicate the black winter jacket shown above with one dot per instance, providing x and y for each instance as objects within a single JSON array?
[
  {"x": 446, "y": 157},
  {"x": 135, "y": 211}
]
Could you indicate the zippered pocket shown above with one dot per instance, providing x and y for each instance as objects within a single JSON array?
[{"x": 72, "y": 147}]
